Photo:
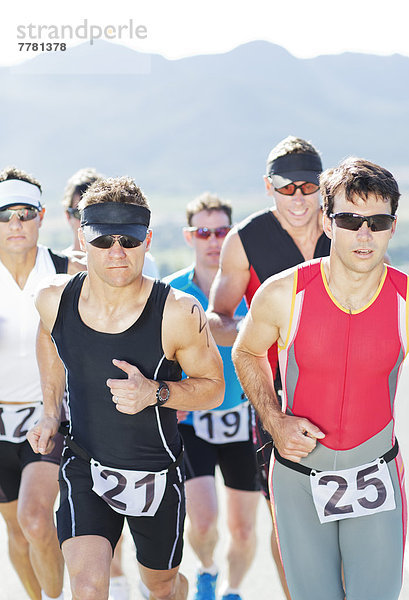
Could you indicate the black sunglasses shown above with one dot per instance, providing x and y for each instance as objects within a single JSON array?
[
  {"x": 107, "y": 241},
  {"x": 306, "y": 188},
  {"x": 205, "y": 232},
  {"x": 74, "y": 212},
  {"x": 353, "y": 222},
  {"x": 23, "y": 214}
]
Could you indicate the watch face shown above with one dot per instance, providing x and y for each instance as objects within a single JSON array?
[{"x": 164, "y": 393}]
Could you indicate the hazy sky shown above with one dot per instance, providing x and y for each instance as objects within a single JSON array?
[{"x": 176, "y": 28}]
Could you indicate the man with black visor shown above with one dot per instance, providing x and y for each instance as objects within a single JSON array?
[
  {"x": 267, "y": 242},
  {"x": 122, "y": 341}
]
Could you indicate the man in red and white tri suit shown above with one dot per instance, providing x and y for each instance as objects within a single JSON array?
[{"x": 341, "y": 324}]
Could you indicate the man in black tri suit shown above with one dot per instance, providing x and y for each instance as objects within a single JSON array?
[
  {"x": 121, "y": 341},
  {"x": 267, "y": 242},
  {"x": 75, "y": 187}
]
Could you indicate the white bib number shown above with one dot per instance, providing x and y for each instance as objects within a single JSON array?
[
  {"x": 355, "y": 492},
  {"x": 131, "y": 493},
  {"x": 16, "y": 420},
  {"x": 223, "y": 426}
]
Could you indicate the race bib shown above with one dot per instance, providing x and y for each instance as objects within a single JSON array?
[
  {"x": 131, "y": 493},
  {"x": 17, "y": 419},
  {"x": 223, "y": 426},
  {"x": 355, "y": 492}
]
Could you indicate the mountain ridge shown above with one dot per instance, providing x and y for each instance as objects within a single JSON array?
[{"x": 202, "y": 122}]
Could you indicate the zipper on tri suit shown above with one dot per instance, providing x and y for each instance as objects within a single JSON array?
[{"x": 345, "y": 380}]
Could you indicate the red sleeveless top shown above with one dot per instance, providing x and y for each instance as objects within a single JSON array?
[{"x": 340, "y": 368}]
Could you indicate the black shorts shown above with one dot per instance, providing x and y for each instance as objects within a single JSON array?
[
  {"x": 260, "y": 438},
  {"x": 237, "y": 460},
  {"x": 13, "y": 459},
  {"x": 158, "y": 539}
]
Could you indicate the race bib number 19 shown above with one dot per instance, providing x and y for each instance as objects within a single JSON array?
[
  {"x": 355, "y": 492},
  {"x": 223, "y": 426},
  {"x": 131, "y": 493}
]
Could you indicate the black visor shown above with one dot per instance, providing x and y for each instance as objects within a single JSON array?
[
  {"x": 115, "y": 218},
  {"x": 303, "y": 166}
]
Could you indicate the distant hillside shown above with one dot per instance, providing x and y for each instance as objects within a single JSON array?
[
  {"x": 201, "y": 122},
  {"x": 205, "y": 122}
]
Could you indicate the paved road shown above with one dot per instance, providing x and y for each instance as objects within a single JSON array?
[{"x": 261, "y": 582}]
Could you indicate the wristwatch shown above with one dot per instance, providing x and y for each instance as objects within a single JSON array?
[{"x": 162, "y": 393}]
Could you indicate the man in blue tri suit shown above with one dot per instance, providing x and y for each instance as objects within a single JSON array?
[{"x": 219, "y": 436}]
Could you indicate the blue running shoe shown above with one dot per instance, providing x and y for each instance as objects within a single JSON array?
[
  {"x": 205, "y": 587},
  {"x": 231, "y": 597}
]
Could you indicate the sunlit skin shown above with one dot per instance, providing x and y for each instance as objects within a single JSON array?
[
  {"x": 74, "y": 223},
  {"x": 296, "y": 211},
  {"x": 115, "y": 266},
  {"x": 207, "y": 252},
  {"x": 20, "y": 237},
  {"x": 359, "y": 251}
]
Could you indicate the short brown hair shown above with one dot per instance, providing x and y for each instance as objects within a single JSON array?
[
  {"x": 14, "y": 173},
  {"x": 209, "y": 202},
  {"x": 78, "y": 184},
  {"x": 290, "y": 145},
  {"x": 358, "y": 177},
  {"x": 113, "y": 189}
]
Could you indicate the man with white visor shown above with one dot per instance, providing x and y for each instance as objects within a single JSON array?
[{"x": 28, "y": 481}]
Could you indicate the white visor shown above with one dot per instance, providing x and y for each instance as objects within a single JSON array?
[{"x": 15, "y": 191}]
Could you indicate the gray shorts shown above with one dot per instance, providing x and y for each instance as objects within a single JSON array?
[{"x": 368, "y": 548}]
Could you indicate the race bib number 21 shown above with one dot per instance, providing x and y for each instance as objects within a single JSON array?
[
  {"x": 131, "y": 493},
  {"x": 355, "y": 492}
]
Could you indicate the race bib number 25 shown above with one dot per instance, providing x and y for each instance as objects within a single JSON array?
[{"x": 355, "y": 492}]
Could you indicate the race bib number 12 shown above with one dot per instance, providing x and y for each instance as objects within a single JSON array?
[
  {"x": 16, "y": 420},
  {"x": 355, "y": 492}
]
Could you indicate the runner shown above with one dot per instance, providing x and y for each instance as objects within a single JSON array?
[
  {"x": 342, "y": 325},
  {"x": 220, "y": 436},
  {"x": 76, "y": 186},
  {"x": 264, "y": 244},
  {"x": 28, "y": 481},
  {"x": 123, "y": 340}
]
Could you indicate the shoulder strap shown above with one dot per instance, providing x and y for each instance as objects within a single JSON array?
[{"x": 60, "y": 261}]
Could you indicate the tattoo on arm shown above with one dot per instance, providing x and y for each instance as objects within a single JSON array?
[{"x": 202, "y": 321}]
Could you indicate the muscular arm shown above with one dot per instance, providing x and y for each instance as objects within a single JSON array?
[
  {"x": 197, "y": 354},
  {"x": 186, "y": 339},
  {"x": 266, "y": 322},
  {"x": 227, "y": 290},
  {"x": 52, "y": 371}
]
